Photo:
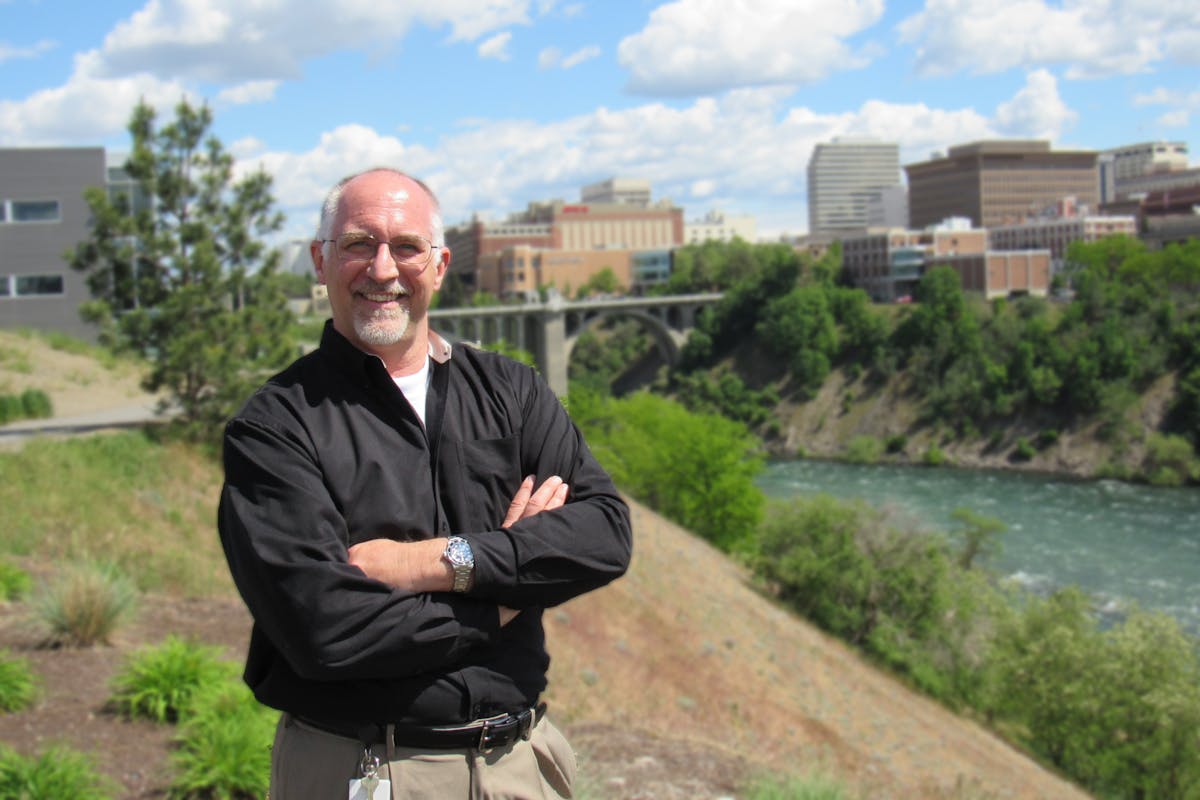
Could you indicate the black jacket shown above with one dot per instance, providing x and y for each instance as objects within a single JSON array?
[{"x": 328, "y": 454}]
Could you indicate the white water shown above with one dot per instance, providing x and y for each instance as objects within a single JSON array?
[{"x": 1122, "y": 543}]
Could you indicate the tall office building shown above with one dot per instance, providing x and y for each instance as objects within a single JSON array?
[
  {"x": 844, "y": 177},
  {"x": 1121, "y": 167},
  {"x": 999, "y": 182}
]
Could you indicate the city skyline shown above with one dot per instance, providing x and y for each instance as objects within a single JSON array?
[{"x": 501, "y": 102}]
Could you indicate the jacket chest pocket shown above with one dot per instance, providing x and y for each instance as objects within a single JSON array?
[{"x": 483, "y": 481}]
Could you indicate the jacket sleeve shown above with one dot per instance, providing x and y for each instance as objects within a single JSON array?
[
  {"x": 286, "y": 544},
  {"x": 556, "y": 555}
]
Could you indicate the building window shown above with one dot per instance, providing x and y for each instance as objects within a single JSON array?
[
  {"x": 5, "y": 290},
  {"x": 33, "y": 285},
  {"x": 29, "y": 211}
]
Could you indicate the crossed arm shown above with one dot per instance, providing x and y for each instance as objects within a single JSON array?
[{"x": 419, "y": 567}]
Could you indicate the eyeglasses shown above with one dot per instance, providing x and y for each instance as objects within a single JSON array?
[{"x": 409, "y": 252}]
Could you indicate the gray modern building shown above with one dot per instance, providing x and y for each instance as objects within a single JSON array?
[
  {"x": 844, "y": 177},
  {"x": 42, "y": 216}
]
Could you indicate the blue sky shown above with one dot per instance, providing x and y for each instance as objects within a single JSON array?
[{"x": 501, "y": 102}]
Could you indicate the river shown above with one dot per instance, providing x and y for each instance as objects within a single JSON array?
[{"x": 1120, "y": 542}]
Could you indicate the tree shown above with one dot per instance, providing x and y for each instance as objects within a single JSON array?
[
  {"x": 183, "y": 278},
  {"x": 695, "y": 469}
]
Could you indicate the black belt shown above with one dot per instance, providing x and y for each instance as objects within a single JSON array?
[{"x": 483, "y": 735}]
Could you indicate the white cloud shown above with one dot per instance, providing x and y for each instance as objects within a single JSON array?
[
  {"x": 703, "y": 46},
  {"x": 1089, "y": 38},
  {"x": 1037, "y": 111},
  {"x": 1162, "y": 96},
  {"x": 86, "y": 108},
  {"x": 746, "y": 143},
  {"x": 581, "y": 55},
  {"x": 549, "y": 58},
  {"x": 9, "y": 52},
  {"x": 495, "y": 47},
  {"x": 234, "y": 41},
  {"x": 1174, "y": 119},
  {"x": 249, "y": 92}
]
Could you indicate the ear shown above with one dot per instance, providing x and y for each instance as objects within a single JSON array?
[
  {"x": 443, "y": 264},
  {"x": 316, "y": 250}
]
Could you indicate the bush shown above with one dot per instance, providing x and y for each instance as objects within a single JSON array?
[
  {"x": 864, "y": 450},
  {"x": 59, "y": 773},
  {"x": 896, "y": 443},
  {"x": 18, "y": 688},
  {"x": 14, "y": 581},
  {"x": 934, "y": 456},
  {"x": 1024, "y": 451},
  {"x": 36, "y": 404},
  {"x": 224, "y": 745},
  {"x": 158, "y": 682},
  {"x": 85, "y": 605},
  {"x": 10, "y": 408},
  {"x": 1170, "y": 460},
  {"x": 793, "y": 787}
]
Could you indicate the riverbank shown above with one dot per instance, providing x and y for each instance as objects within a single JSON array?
[{"x": 885, "y": 419}]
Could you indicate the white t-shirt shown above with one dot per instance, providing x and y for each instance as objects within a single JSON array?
[{"x": 415, "y": 388}]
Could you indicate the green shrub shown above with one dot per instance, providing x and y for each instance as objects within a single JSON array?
[
  {"x": 59, "y": 773},
  {"x": 896, "y": 443},
  {"x": 36, "y": 404},
  {"x": 158, "y": 682},
  {"x": 14, "y": 581},
  {"x": 934, "y": 456},
  {"x": 224, "y": 745},
  {"x": 864, "y": 450},
  {"x": 10, "y": 408},
  {"x": 1047, "y": 438},
  {"x": 1024, "y": 451},
  {"x": 796, "y": 787},
  {"x": 85, "y": 605},
  {"x": 18, "y": 687},
  {"x": 1170, "y": 460}
]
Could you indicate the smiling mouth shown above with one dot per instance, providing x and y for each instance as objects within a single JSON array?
[{"x": 377, "y": 296}]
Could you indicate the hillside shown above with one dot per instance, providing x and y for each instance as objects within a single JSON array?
[{"x": 677, "y": 681}]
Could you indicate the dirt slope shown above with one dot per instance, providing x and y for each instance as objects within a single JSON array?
[{"x": 678, "y": 681}]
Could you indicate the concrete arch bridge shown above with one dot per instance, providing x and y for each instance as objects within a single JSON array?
[{"x": 550, "y": 329}]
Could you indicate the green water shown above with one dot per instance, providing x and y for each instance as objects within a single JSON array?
[{"x": 1120, "y": 542}]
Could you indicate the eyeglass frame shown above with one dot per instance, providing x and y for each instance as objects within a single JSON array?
[{"x": 391, "y": 254}]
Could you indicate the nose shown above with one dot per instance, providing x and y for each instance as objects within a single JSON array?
[{"x": 382, "y": 267}]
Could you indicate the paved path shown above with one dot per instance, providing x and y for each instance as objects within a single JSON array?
[{"x": 131, "y": 416}]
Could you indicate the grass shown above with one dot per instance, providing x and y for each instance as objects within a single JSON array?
[
  {"x": 85, "y": 604},
  {"x": 792, "y": 787},
  {"x": 15, "y": 582},
  {"x": 18, "y": 686},
  {"x": 224, "y": 744},
  {"x": 159, "y": 682},
  {"x": 148, "y": 508},
  {"x": 59, "y": 773}
]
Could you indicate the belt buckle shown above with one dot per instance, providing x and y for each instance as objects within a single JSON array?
[{"x": 485, "y": 745}]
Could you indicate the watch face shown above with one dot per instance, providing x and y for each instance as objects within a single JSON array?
[{"x": 458, "y": 551}]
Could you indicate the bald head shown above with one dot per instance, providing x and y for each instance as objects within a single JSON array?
[{"x": 331, "y": 206}]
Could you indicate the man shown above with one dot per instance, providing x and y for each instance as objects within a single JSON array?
[{"x": 396, "y": 515}]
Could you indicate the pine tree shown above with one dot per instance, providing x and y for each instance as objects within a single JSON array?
[{"x": 178, "y": 271}]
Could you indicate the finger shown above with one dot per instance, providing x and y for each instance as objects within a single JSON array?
[
  {"x": 560, "y": 497},
  {"x": 544, "y": 494},
  {"x": 520, "y": 500}
]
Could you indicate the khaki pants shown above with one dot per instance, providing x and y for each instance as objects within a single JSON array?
[{"x": 310, "y": 764}]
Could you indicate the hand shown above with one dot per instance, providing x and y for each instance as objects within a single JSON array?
[
  {"x": 419, "y": 566},
  {"x": 526, "y": 502}
]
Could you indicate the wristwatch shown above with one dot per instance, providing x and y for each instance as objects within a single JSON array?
[{"x": 458, "y": 554}]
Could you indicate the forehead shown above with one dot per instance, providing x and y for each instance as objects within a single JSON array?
[{"x": 383, "y": 199}]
